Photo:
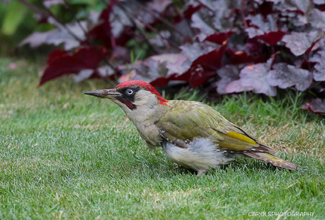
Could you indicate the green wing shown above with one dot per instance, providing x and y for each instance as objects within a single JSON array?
[{"x": 187, "y": 120}]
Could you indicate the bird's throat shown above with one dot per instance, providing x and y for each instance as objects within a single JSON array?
[{"x": 129, "y": 104}]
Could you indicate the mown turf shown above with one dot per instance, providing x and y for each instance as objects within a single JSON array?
[{"x": 64, "y": 155}]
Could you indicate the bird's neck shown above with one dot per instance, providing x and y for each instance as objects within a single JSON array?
[{"x": 143, "y": 114}]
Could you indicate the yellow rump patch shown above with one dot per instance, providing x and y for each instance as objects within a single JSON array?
[
  {"x": 273, "y": 158},
  {"x": 240, "y": 137}
]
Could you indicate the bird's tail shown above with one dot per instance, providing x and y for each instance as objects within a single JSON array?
[{"x": 278, "y": 162}]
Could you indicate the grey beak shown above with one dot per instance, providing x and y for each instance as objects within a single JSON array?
[{"x": 104, "y": 93}]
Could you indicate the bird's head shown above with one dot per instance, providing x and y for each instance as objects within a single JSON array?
[{"x": 131, "y": 95}]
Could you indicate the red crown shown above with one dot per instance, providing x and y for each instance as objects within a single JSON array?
[{"x": 144, "y": 85}]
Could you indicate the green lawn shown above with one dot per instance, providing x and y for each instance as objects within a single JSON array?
[{"x": 64, "y": 155}]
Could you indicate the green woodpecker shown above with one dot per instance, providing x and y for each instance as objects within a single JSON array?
[{"x": 191, "y": 134}]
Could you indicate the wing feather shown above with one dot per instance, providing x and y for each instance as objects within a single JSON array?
[{"x": 187, "y": 120}]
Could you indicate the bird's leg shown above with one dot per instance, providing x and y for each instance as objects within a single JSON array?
[
  {"x": 175, "y": 141},
  {"x": 179, "y": 143},
  {"x": 200, "y": 173}
]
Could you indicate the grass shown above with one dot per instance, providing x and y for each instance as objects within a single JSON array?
[{"x": 64, "y": 155}]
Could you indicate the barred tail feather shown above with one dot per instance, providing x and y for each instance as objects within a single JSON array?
[{"x": 275, "y": 161}]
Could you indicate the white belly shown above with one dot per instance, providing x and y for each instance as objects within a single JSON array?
[{"x": 200, "y": 155}]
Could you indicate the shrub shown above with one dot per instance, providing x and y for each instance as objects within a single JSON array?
[{"x": 218, "y": 46}]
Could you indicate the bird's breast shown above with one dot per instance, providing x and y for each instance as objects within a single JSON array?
[{"x": 149, "y": 132}]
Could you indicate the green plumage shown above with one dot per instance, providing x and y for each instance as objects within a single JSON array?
[
  {"x": 185, "y": 121},
  {"x": 188, "y": 120}
]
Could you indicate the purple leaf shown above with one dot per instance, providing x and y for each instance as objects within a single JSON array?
[
  {"x": 319, "y": 2},
  {"x": 118, "y": 21},
  {"x": 319, "y": 72},
  {"x": 253, "y": 32},
  {"x": 184, "y": 27},
  {"x": 297, "y": 5},
  {"x": 105, "y": 71},
  {"x": 316, "y": 106},
  {"x": 161, "y": 39},
  {"x": 253, "y": 78},
  {"x": 202, "y": 26},
  {"x": 159, "y": 69},
  {"x": 264, "y": 29},
  {"x": 214, "y": 16},
  {"x": 273, "y": 1},
  {"x": 317, "y": 18},
  {"x": 120, "y": 53},
  {"x": 259, "y": 26},
  {"x": 285, "y": 76},
  {"x": 300, "y": 43},
  {"x": 61, "y": 35},
  {"x": 228, "y": 74},
  {"x": 236, "y": 86},
  {"x": 154, "y": 69},
  {"x": 49, "y": 3},
  {"x": 83, "y": 75},
  {"x": 159, "y": 5},
  {"x": 258, "y": 21},
  {"x": 195, "y": 50},
  {"x": 175, "y": 63},
  {"x": 37, "y": 38},
  {"x": 113, "y": 26}
]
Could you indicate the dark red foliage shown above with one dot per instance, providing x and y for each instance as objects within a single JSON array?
[
  {"x": 55, "y": 55},
  {"x": 272, "y": 37},
  {"x": 211, "y": 60},
  {"x": 219, "y": 38},
  {"x": 62, "y": 63},
  {"x": 237, "y": 57},
  {"x": 227, "y": 47},
  {"x": 161, "y": 81},
  {"x": 205, "y": 66},
  {"x": 103, "y": 31},
  {"x": 191, "y": 10},
  {"x": 266, "y": 8}
]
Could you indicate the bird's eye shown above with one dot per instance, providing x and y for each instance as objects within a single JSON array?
[{"x": 129, "y": 92}]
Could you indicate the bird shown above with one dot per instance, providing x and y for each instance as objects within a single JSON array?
[{"x": 191, "y": 134}]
